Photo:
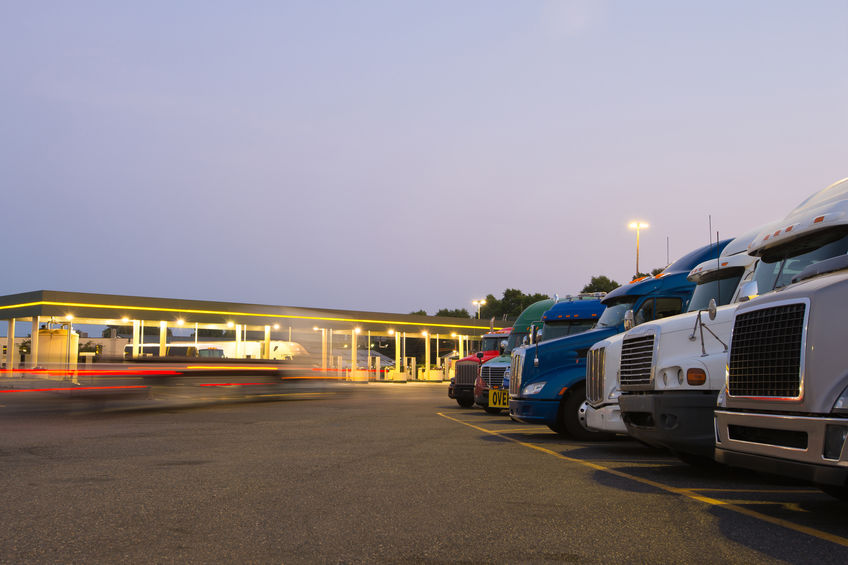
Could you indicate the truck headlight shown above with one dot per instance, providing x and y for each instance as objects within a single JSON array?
[
  {"x": 534, "y": 388},
  {"x": 722, "y": 398}
]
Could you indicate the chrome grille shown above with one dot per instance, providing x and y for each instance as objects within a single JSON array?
[
  {"x": 765, "y": 353},
  {"x": 466, "y": 372},
  {"x": 595, "y": 374},
  {"x": 515, "y": 374},
  {"x": 492, "y": 376},
  {"x": 637, "y": 359}
]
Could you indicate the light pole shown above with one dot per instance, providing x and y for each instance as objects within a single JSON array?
[
  {"x": 478, "y": 304},
  {"x": 637, "y": 226}
]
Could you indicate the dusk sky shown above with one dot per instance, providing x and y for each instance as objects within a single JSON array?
[{"x": 402, "y": 155}]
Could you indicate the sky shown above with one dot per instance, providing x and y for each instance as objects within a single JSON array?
[{"x": 401, "y": 155}]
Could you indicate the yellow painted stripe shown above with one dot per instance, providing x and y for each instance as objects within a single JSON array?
[
  {"x": 230, "y": 313},
  {"x": 689, "y": 493},
  {"x": 760, "y": 491}
]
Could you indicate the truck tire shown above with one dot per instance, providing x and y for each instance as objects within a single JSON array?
[
  {"x": 569, "y": 417},
  {"x": 464, "y": 402}
]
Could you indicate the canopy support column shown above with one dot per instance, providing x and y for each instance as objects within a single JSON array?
[{"x": 36, "y": 324}]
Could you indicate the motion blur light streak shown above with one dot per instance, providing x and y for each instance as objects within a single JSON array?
[
  {"x": 71, "y": 388},
  {"x": 232, "y": 368},
  {"x": 87, "y": 372},
  {"x": 231, "y": 384}
]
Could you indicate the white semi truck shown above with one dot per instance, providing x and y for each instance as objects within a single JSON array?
[
  {"x": 784, "y": 406},
  {"x": 624, "y": 362},
  {"x": 672, "y": 370}
]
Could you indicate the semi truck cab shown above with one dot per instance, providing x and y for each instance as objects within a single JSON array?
[
  {"x": 494, "y": 371},
  {"x": 670, "y": 371},
  {"x": 461, "y": 386},
  {"x": 784, "y": 407}
]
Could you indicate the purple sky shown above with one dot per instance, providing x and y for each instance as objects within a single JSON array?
[{"x": 393, "y": 156}]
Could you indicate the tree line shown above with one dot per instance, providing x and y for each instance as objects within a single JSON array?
[{"x": 514, "y": 301}]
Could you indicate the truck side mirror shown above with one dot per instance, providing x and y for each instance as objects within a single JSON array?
[
  {"x": 503, "y": 344},
  {"x": 711, "y": 309},
  {"x": 628, "y": 320},
  {"x": 526, "y": 340},
  {"x": 479, "y": 355}
]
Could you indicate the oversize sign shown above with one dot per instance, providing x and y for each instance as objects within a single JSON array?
[{"x": 499, "y": 398}]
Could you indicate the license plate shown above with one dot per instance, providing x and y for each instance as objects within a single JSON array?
[{"x": 499, "y": 398}]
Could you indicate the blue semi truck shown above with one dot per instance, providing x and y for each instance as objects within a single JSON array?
[
  {"x": 557, "y": 318},
  {"x": 548, "y": 380}
]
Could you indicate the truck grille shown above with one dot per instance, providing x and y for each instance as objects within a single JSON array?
[
  {"x": 595, "y": 374},
  {"x": 492, "y": 376},
  {"x": 466, "y": 372},
  {"x": 515, "y": 374},
  {"x": 765, "y": 353},
  {"x": 637, "y": 359}
]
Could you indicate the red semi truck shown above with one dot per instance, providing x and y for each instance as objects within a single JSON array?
[{"x": 466, "y": 369}]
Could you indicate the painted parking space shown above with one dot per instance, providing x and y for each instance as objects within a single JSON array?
[{"x": 802, "y": 509}]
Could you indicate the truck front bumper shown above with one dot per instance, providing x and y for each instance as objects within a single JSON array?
[
  {"x": 605, "y": 418},
  {"x": 541, "y": 412},
  {"x": 481, "y": 397},
  {"x": 681, "y": 421},
  {"x": 461, "y": 392},
  {"x": 803, "y": 447}
]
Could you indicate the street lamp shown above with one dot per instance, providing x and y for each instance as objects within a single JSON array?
[
  {"x": 478, "y": 304},
  {"x": 637, "y": 226}
]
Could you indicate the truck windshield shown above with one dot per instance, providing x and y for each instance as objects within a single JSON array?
[
  {"x": 562, "y": 328},
  {"x": 777, "y": 268},
  {"x": 720, "y": 284},
  {"x": 491, "y": 343},
  {"x": 515, "y": 339},
  {"x": 614, "y": 314}
]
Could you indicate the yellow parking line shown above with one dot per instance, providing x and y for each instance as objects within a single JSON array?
[
  {"x": 689, "y": 493},
  {"x": 759, "y": 491},
  {"x": 529, "y": 429}
]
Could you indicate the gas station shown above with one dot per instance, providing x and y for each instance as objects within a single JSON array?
[{"x": 334, "y": 338}]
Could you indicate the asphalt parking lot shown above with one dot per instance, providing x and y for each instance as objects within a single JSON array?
[{"x": 377, "y": 473}]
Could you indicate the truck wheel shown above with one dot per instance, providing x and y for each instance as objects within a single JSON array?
[
  {"x": 464, "y": 402},
  {"x": 569, "y": 417},
  {"x": 491, "y": 410}
]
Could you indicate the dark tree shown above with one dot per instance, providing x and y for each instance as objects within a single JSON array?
[
  {"x": 600, "y": 283},
  {"x": 418, "y": 313},
  {"x": 127, "y": 331},
  {"x": 510, "y": 305},
  {"x": 216, "y": 334},
  {"x": 456, "y": 313}
]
